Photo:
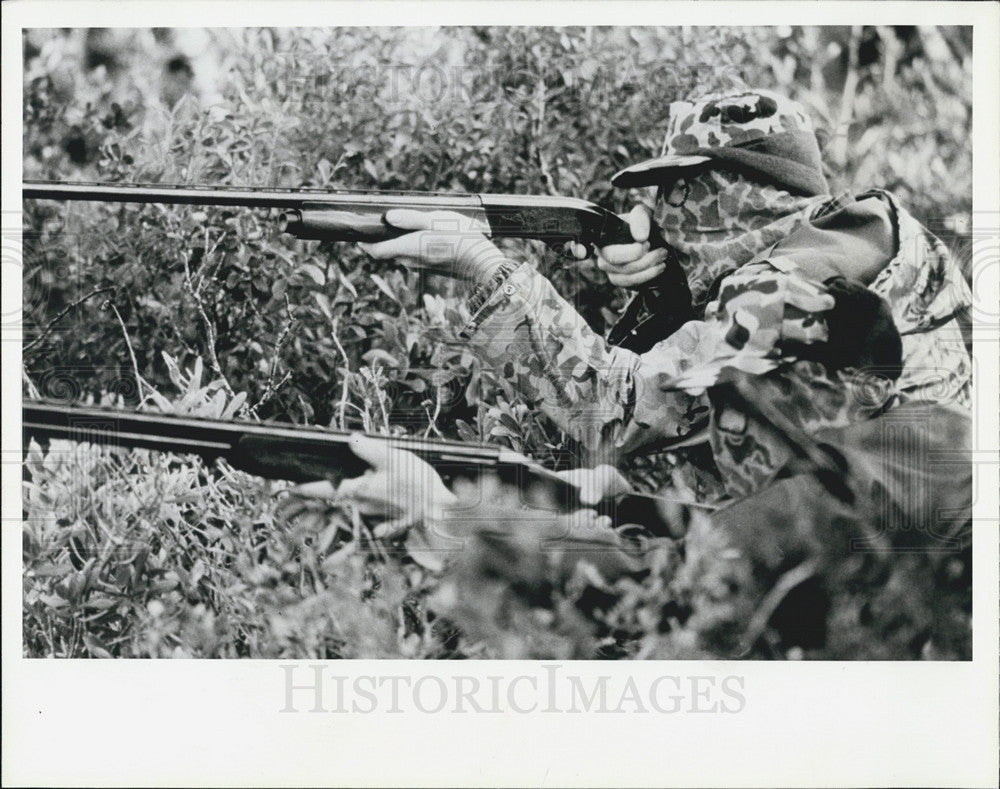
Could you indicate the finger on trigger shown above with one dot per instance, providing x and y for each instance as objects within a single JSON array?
[
  {"x": 648, "y": 260},
  {"x": 629, "y": 280},
  {"x": 620, "y": 254}
]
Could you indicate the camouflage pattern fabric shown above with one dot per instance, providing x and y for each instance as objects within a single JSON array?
[
  {"x": 759, "y": 131},
  {"x": 616, "y": 402},
  {"x": 608, "y": 398},
  {"x": 748, "y": 450},
  {"x": 927, "y": 294},
  {"x": 726, "y": 221},
  {"x": 726, "y": 120},
  {"x": 756, "y": 310}
]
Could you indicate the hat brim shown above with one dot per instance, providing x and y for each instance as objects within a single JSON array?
[
  {"x": 650, "y": 172},
  {"x": 790, "y": 159}
]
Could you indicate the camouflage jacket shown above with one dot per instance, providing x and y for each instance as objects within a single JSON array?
[{"x": 616, "y": 403}]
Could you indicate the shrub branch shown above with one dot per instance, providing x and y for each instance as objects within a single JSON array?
[
  {"x": 195, "y": 294},
  {"x": 52, "y": 323}
]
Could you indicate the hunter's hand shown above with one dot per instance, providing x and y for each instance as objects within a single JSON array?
[
  {"x": 762, "y": 316},
  {"x": 444, "y": 242},
  {"x": 760, "y": 308},
  {"x": 400, "y": 488},
  {"x": 596, "y": 484},
  {"x": 631, "y": 265}
]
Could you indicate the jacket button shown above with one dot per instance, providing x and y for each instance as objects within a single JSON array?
[{"x": 509, "y": 289}]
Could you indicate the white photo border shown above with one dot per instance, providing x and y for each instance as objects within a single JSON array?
[{"x": 202, "y": 722}]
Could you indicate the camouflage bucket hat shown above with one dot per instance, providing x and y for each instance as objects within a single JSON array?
[{"x": 767, "y": 134}]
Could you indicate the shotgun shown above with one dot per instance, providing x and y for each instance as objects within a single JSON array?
[
  {"x": 338, "y": 215},
  {"x": 303, "y": 454}
]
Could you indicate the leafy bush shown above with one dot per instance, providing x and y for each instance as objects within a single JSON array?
[{"x": 141, "y": 554}]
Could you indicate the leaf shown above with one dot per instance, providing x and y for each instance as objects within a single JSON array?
[
  {"x": 326, "y": 537},
  {"x": 173, "y": 371},
  {"x": 443, "y": 377},
  {"x": 346, "y": 284},
  {"x": 383, "y": 286},
  {"x": 95, "y": 647},
  {"x": 323, "y": 301},
  {"x": 161, "y": 402},
  {"x": 279, "y": 252},
  {"x": 101, "y": 603},
  {"x": 34, "y": 458},
  {"x": 338, "y": 557},
  {"x": 234, "y": 405},
  {"x": 199, "y": 368},
  {"x": 510, "y": 423},
  {"x": 218, "y": 405},
  {"x": 380, "y": 355},
  {"x": 51, "y": 570},
  {"x": 418, "y": 385},
  {"x": 465, "y": 431},
  {"x": 314, "y": 272}
]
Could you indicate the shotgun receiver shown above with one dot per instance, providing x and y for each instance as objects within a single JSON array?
[{"x": 360, "y": 216}]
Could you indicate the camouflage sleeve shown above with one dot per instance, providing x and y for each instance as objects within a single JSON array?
[{"x": 605, "y": 397}]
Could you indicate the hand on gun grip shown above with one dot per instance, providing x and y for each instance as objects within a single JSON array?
[{"x": 632, "y": 265}]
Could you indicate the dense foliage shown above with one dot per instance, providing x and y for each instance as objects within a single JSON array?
[{"x": 214, "y": 312}]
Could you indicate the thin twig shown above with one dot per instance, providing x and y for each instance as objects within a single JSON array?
[
  {"x": 51, "y": 324},
  {"x": 213, "y": 359},
  {"x": 270, "y": 392},
  {"x": 376, "y": 379},
  {"x": 794, "y": 577},
  {"x": 548, "y": 181},
  {"x": 204, "y": 274},
  {"x": 347, "y": 373},
  {"x": 270, "y": 388},
  {"x": 139, "y": 380},
  {"x": 432, "y": 424}
]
